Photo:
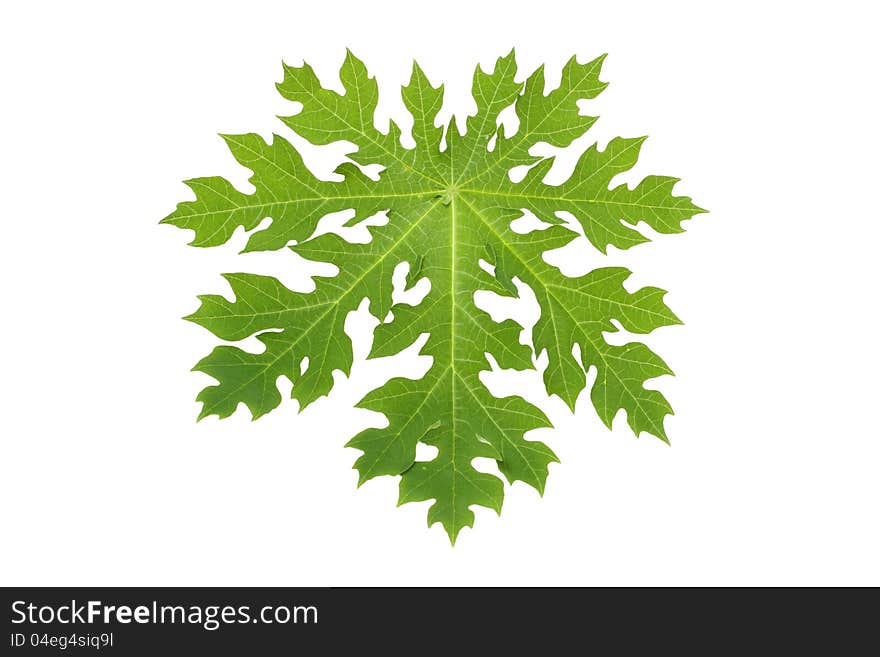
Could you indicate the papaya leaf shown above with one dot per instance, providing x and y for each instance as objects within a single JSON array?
[{"x": 450, "y": 202}]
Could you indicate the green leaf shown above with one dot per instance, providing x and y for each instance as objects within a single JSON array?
[{"x": 450, "y": 202}]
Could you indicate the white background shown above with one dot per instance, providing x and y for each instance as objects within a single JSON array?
[{"x": 767, "y": 111}]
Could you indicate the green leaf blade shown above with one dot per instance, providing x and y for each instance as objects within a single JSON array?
[{"x": 449, "y": 210}]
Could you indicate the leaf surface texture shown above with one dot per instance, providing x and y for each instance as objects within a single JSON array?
[{"x": 450, "y": 202}]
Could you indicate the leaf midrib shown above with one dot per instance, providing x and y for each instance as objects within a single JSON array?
[{"x": 563, "y": 197}]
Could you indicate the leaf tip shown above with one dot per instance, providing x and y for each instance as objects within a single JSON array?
[
  {"x": 351, "y": 59},
  {"x": 539, "y": 486},
  {"x": 696, "y": 209},
  {"x": 569, "y": 400}
]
